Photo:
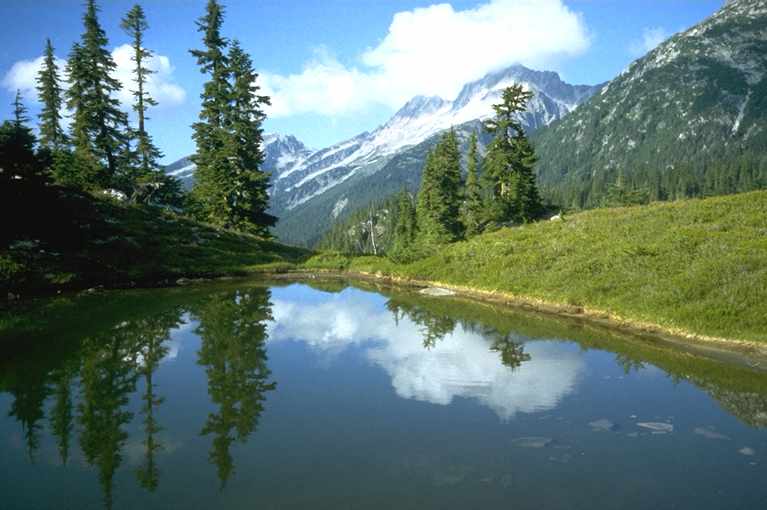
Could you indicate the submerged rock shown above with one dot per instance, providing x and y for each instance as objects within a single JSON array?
[
  {"x": 532, "y": 442},
  {"x": 747, "y": 451},
  {"x": 436, "y": 291},
  {"x": 602, "y": 425},
  {"x": 709, "y": 434},
  {"x": 656, "y": 426}
]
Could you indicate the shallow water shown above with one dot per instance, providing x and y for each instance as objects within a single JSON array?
[{"x": 251, "y": 395}]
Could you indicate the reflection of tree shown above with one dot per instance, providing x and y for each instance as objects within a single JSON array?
[
  {"x": 512, "y": 351},
  {"x": 151, "y": 348},
  {"x": 434, "y": 326},
  {"x": 111, "y": 367},
  {"x": 108, "y": 376},
  {"x": 233, "y": 332},
  {"x": 61, "y": 412},
  {"x": 28, "y": 398},
  {"x": 629, "y": 363}
]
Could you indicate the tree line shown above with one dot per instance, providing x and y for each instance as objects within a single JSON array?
[
  {"x": 102, "y": 151},
  {"x": 495, "y": 190}
]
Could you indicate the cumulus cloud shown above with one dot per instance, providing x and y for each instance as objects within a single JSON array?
[
  {"x": 160, "y": 85},
  {"x": 432, "y": 51},
  {"x": 651, "y": 38},
  {"x": 460, "y": 365}
]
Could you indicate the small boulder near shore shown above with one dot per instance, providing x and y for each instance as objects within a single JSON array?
[
  {"x": 656, "y": 426},
  {"x": 436, "y": 291}
]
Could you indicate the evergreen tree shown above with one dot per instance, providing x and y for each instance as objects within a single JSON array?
[
  {"x": 510, "y": 190},
  {"x": 210, "y": 191},
  {"x": 85, "y": 168},
  {"x": 472, "y": 205},
  {"x": 98, "y": 120},
  {"x": 405, "y": 230},
  {"x": 439, "y": 198},
  {"x": 52, "y": 135},
  {"x": 145, "y": 179},
  {"x": 247, "y": 193},
  {"x": 17, "y": 143}
]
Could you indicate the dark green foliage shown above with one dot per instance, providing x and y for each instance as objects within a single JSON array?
[
  {"x": 406, "y": 230},
  {"x": 247, "y": 195},
  {"x": 471, "y": 212},
  {"x": 98, "y": 120},
  {"x": 17, "y": 149},
  {"x": 440, "y": 194},
  {"x": 52, "y": 135},
  {"x": 510, "y": 191},
  {"x": 230, "y": 189}
]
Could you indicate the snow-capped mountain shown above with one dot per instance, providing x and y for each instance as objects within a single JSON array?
[
  {"x": 419, "y": 119},
  {"x": 281, "y": 152}
]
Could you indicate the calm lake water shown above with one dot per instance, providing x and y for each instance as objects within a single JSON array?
[{"x": 251, "y": 395}]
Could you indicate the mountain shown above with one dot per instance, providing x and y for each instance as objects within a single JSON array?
[
  {"x": 281, "y": 152},
  {"x": 689, "y": 118},
  {"x": 419, "y": 119},
  {"x": 311, "y": 189},
  {"x": 336, "y": 180}
]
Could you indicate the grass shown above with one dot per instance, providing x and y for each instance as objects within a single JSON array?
[
  {"x": 83, "y": 241},
  {"x": 695, "y": 266}
]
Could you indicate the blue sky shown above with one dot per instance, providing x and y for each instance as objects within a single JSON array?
[{"x": 339, "y": 67}]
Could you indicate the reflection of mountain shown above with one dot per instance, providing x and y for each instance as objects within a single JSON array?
[{"x": 458, "y": 361}]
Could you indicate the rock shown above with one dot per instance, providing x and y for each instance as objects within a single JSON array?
[
  {"x": 436, "y": 291},
  {"x": 12, "y": 296},
  {"x": 602, "y": 425},
  {"x": 183, "y": 281},
  {"x": 747, "y": 451},
  {"x": 532, "y": 442},
  {"x": 656, "y": 426},
  {"x": 557, "y": 217},
  {"x": 709, "y": 434}
]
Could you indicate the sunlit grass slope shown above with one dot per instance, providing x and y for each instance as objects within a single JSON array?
[{"x": 698, "y": 266}]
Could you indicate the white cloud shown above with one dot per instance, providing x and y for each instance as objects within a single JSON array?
[
  {"x": 432, "y": 51},
  {"x": 460, "y": 365},
  {"x": 160, "y": 85},
  {"x": 651, "y": 38}
]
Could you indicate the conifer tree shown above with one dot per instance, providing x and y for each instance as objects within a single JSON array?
[
  {"x": 405, "y": 231},
  {"x": 85, "y": 168},
  {"x": 248, "y": 185},
  {"x": 439, "y": 198},
  {"x": 472, "y": 205},
  {"x": 510, "y": 190},
  {"x": 210, "y": 191},
  {"x": 98, "y": 118},
  {"x": 17, "y": 144},
  {"x": 52, "y": 135},
  {"x": 135, "y": 24},
  {"x": 145, "y": 180}
]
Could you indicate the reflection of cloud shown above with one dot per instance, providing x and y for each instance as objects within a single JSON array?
[
  {"x": 460, "y": 365},
  {"x": 177, "y": 334}
]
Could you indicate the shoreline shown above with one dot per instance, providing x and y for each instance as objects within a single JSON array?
[{"x": 692, "y": 341}]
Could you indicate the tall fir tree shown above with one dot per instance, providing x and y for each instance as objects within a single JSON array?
[
  {"x": 403, "y": 247},
  {"x": 52, "y": 136},
  {"x": 510, "y": 190},
  {"x": 248, "y": 185},
  {"x": 209, "y": 194},
  {"x": 98, "y": 119},
  {"x": 17, "y": 147},
  {"x": 146, "y": 182},
  {"x": 439, "y": 198},
  {"x": 135, "y": 24},
  {"x": 472, "y": 204}
]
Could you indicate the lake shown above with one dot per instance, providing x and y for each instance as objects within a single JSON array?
[{"x": 328, "y": 395}]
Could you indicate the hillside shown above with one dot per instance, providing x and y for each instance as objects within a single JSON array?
[
  {"x": 696, "y": 266},
  {"x": 84, "y": 241},
  {"x": 687, "y": 119}
]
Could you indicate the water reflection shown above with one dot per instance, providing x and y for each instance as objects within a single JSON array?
[
  {"x": 100, "y": 395},
  {"x": 432, "y": 356}
]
